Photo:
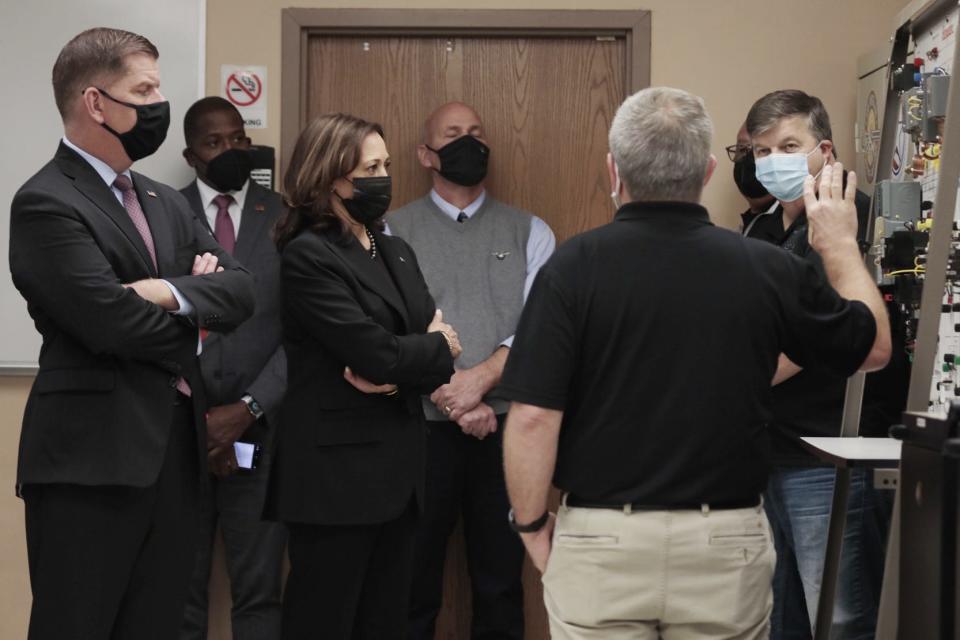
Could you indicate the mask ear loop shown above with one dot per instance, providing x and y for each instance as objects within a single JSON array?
[
  {"x": 615, "y": 194},
  {"x": 817, "y": 177}
]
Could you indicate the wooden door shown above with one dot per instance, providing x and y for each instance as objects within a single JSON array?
[{"x": 546, "y": 104}]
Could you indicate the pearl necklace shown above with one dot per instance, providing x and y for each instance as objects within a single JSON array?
[{"x": 373, "y": 243}]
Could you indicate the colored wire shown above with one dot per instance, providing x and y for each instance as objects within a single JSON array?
[
  {"x": 914, "y": 103},
  {"x": 900, "y": 272}
]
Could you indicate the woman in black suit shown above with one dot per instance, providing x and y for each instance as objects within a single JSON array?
[{"x": 363, "y": 343}]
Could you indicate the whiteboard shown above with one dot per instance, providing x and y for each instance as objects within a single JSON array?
[{"x": 32, "y": 32}]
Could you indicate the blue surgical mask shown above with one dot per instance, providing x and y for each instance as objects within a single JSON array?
[{"x": 782, "y": 174}]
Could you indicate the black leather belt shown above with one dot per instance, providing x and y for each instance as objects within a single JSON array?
[{"x": 574, "y": 501}]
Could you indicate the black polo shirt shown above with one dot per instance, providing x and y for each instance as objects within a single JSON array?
[
  {"x": 658, "y": 335},
  {"x": 811, "y": 402}
]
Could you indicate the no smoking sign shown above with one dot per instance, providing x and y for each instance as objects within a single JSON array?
[{"x": 246, "y": 88}]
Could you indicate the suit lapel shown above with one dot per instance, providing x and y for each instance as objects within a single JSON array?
[
  {"x": 192, "y": 194},
  {"x": 156, "y": 216},
  {"x": 252, "y": 219},
  {"x": 88, "y": 182},
  {"x": 405, "y": 276},
  {"x": 364, "y": 269}
]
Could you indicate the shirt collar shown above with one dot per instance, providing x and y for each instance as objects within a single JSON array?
[
  {"x": 453, "y": 211},
  {"x": 106, "y": 173},
  {"x": 208, "y": 193},
  {"x": 750, "y": 218},
  {"x": 666, "y": 211}
]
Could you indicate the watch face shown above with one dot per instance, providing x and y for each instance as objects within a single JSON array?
[{"x": 253, "y": 406}]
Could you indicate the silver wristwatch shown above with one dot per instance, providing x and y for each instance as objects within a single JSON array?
[{"x": 252, "y": 406}]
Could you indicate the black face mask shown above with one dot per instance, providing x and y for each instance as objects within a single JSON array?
[
  {"x": 148, "y": 134},
  {"x": 371, "y": 199},
  {"x": 229, "y": 170},
  {"x": 463, "y": 161},
  {"x": 745, "y": 175}
]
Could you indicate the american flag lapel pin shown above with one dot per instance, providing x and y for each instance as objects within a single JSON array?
[{"x": 259, "y": 208}]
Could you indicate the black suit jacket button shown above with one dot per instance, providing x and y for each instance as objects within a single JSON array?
[{"x": 173, "y": 382}]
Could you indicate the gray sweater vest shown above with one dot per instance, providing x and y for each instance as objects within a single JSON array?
[{"x": 475, "y": 270}]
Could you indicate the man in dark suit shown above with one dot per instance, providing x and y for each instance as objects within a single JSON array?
[
  {"x": 121, "y": 281},
  {"x": 245, "y": 375}
]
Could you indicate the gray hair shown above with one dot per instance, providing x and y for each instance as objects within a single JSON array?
[{"x": 660, "y": 140}]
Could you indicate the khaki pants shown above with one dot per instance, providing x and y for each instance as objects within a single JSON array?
[{"x": 675, "y": 575}]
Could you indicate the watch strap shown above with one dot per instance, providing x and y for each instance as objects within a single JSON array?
[{"x": 532, "y": 527}]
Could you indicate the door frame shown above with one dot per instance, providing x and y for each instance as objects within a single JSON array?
[{"x": 299, "y": 24}]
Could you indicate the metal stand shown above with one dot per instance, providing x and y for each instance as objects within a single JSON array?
[{"x": 831, "y": 561}]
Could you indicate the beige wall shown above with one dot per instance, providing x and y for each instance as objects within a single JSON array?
[
  {"x": 728, "y": 51},
  {"x": 14, "y": 582}
]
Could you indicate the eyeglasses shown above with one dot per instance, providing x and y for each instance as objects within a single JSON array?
[{"x": 737, "y": 151}]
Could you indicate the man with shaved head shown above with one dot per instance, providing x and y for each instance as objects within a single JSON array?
[{"x": 479, "y": 257}]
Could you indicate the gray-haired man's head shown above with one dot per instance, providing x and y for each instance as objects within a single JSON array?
[{"x": 660, "y": 143}]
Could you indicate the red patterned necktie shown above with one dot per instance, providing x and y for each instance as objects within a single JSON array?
[
  {"x": 223, "y": 229},
  {"x": 132, "y": 205},
  {"x": 135, "y": 211}
]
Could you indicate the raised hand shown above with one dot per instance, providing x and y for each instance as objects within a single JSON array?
[{"x": 832, "y": 213}]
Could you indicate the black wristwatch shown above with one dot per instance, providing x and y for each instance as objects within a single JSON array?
[
  {"x": 534, "y": 526},
  {"x": 252, "y": 406}
]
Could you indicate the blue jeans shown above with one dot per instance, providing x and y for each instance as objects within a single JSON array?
[{"x": 798, "y": 502}]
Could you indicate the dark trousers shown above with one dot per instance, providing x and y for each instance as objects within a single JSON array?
[
  {"x": 254, "y": 553},
  {"x": 113, "y": 563},
  {"x": 349, "y": 582},
  {"x": 465, "y": 477}
]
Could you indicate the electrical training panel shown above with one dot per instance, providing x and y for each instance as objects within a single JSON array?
[{"x": 904, "y": 205}]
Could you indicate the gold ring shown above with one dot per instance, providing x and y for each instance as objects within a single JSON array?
[{"x": 446, "y": 409}]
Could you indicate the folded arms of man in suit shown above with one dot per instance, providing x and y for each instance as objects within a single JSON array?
[{"x": 68, "y": 277}]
